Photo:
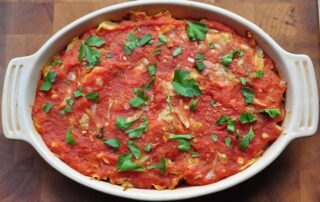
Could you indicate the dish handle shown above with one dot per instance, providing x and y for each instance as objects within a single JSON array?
[
  {"x": 305, "y": 104},
  {"x": 11, "y": 98}
]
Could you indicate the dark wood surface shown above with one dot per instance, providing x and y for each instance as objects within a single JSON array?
[{"x": 25, "y": 176}]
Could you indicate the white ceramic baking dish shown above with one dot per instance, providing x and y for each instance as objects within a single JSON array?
[{"x": 302, "y": 105}]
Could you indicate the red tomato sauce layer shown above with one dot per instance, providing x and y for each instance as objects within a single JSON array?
[{"x": 157, "y": 102}]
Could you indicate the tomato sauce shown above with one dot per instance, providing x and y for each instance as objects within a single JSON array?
[{"x": 116, "y": 74}]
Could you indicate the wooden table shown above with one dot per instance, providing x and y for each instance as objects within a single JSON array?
[{"x": 26, "y": 25}]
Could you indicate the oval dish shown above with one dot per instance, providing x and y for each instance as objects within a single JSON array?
[{"x": 23, "y": 74}]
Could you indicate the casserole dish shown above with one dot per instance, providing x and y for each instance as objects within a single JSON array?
[{"x": 297, "y": 70}]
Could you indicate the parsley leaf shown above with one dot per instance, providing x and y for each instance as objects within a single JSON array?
[
  {"x": 149, "y": 86},
  {"x": 48, "y": 81},
  {"x": 95, "y": 41},
  {"x": 78, "y": 92},
  {"x": 258, "y": 74},
  {"x": 163, "y": 39},
  {"x": 138, "y": 100},
  {"x": 227, "y": 141},
  {"x": 55, "y": 62},
  {"x": 227, "y": 59},
  {"x": 92, "y": 55},
  {"x": 247, "y": 117},
  {"x": 223, "y": 119},
  {"x": 67, "y": 109},
  {"x": 46, "y": 107},
  {"x": 148, "y": 147},
  {"x": 243, "y": 81},
  {"x": 122, "y": 124},
  {"x": 93, "y": 96},
  {"x": 248, "y": 94},
  {"x": 272, "y": 113},
  {"x": 183, "y": 85},
  {"x": 214, "y": 137},
  {"x": 211, "y": 46},
  {"x": 193, "y": 104},
  {"x": 230, "y": 125},
  {"x": 194, "y": 154},
  {"x": 161, "y": 165},
  {"x": 69, "y": 138},
  {"x": 212, "y": 103},
  {"x": 157, "y": 52},
  {"x": 183, "y": 140},
  {"x": 144, "y": 39},
  {"x": 131, "y": 44},
  {"x": 137, "y": 132},
  {"x": 152, "y": 69},
  {"x": 125, "y": 164},
  {"x": 109, "y": 55},
  {"x": 199, "y": 61},
  {"x": 177, "y": 51},
  {"x": 247, "y": 139},
  {"x": 196, "y": 31},
  {"x": 114, "y": 143},
  {"x": 134, "y": 149}
]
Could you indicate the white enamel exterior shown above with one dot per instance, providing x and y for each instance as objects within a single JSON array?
[{"x": 302, "y": 104}]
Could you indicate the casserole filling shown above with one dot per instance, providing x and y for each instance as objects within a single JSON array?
[{"x": 157, "y": 102}]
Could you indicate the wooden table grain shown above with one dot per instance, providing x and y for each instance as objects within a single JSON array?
[{"x": 24, "y": 176}]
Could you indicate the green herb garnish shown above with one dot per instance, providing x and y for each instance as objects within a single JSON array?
[
  {"x": 152, "y": 69},
  {"x": 211, "y": 46},
  {"x": 92, "y": 55},
  {"x": 272, "y": 113},
  {"x": 247, "y": 117},
  {"x": 227, "y": 59},
  {"x": 196, "y": 31},
  {"x": 48, "y": 81},
  {"x": 258, "y": 74},
  {"x": 247, "y": 139},
  {"x": 183, "y": 85},
  {"x": 183, "y": 140},
  {"x": 114, "y": 143},
  {"x": 125, "y": 164},
  {"x": 177, "y": 51},
  {"x": 149, "y": 86},
  {"x": 148, "y": 147},
  {"x": 122, "y": 124},
  {"x": 230, "y": 125},
  {"x": 55, "y": 62},
  {"x": 227, "y": 141},
  {"x": 223, "y": 119},
  {"x": 193, "y": 104},
  {"x": 199, "y": 61},
  {"x": 214, "y": 137},
  {"x": 134, "y": 149},
  {"x": 46, "y": 107},
  {"x": 243, "y": 81},
  {"x": 137, "y": 132},
  {"x": 248, "y": 94},
  {"x": 93, "y": 96},
  {"x": 69, "y": 138},
  {"x": 78, "y": 92},
  {"x": 138, "y": 100},
  {"x": 194, "y": 154},
  {"x": 161, "y": 165}
]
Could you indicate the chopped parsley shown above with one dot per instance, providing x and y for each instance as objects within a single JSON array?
[
  {"x": 223, "y": 119},
  {"x": 137, "y": 132},
  {"x": 67, "y": 109},
  {"x": 47, "y": 107},
  {"x": 152, "y": 69},
  {"x": 168, "y": 100},
  {"x": 69, "y": 100},
  {"x": 138, "y": 100},
  {"x": 211, "y": 46},
  {"x": 161, "y": 166},
  {"x": 78, "y": 92},
  {"x": 69, "y": 138},
  {"x": 55, "y": 62},
  {"x": 247, "y": 117},
  {"x": 272, "y": 113},
  {"x": 193, "y": 104},
  {"x": 230, "y": 125},
  {"x": 214, "y": 137},
  {"x": 227, "y": 59},
  {"x": 93, "y": 96},
  {"x": 122, "y": 123},
  {"x": 227, "y": 141},
  {"x": 114, "y": 143},
  {"x": 177, "y": 51},
  {"x": 48, "y": 81},
  {"x": 184, "y": 144},
  {"x": 125, "y": 164},
  {"x": 157, "y": 52},
  {"x": 184, "y": 86},
  {"x": 258, "y": 74},
  {"x": 212, "y": 102},
  {"x": 162, "y": 39},
  {"x": 194, "y": 154},
  {"x": 133, "y": 42},
  {"x": 247, "y": 139},
  {"x": 243, "y": 81},
  {"x": 148, "y": 147},
  {"x": 199, "y": 62},
  {"x": 196, "y": 31},
  {"x": 149, "y": 86},
  {"x": 144, "y": 39},
  {"x": 134, "y": 149},
  {"x": 92, "y": 55},
  {"x": 248, "y": 94}
]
